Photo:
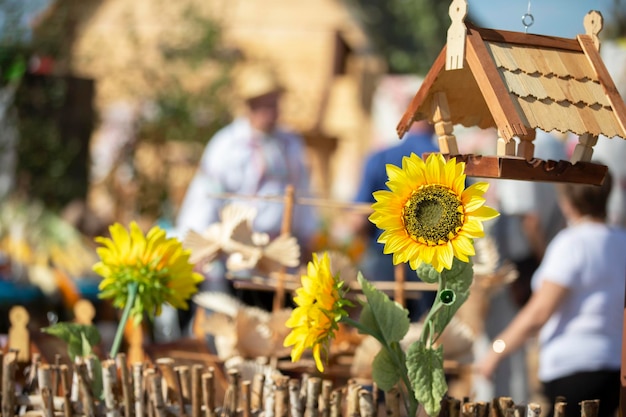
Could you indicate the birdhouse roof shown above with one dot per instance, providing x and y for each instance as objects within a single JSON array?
[{"x": 517, "y": 82}]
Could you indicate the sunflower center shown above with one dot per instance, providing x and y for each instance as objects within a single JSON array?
[{"x": 433, "y": 213}]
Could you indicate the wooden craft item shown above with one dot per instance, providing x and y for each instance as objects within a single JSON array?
[
  {"x": 516, "y": 83},
  {"x": 456, "y": 35},
  {"x": 19, "y": 338}
]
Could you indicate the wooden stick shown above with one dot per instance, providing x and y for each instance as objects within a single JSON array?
[
  {"x": 148, "y": 374},
  {"x": 392, "y": 402},
  {"x": 399, "y": 274},
  {"x": 256, "y": 401},
  {"x": 8, "y": 384},
  {"x": 245, "y": 394},
  {"x": 365, "y": 208},
  {"x": 482, "y": 409},
  {"x": 109, "y": 376},
  {"x": 296, "y": 407},
  {"x": 375, "y": 393},
  {"x": 335, "y": 403},
  {"x": 208, "y": 393},
  {"x": 366, "y": 405},
  {"x": 126, "y": 382},
  {"x": 156, "y": 395},
  {"x": 469, "y": 409},
  {"x": 304, "y": 381},
  {"x": 452, "y": 406},
  {"x": 314, "y": 389},
  {"x": 589, "y": 408},
  {"x": 75, "y": 392},
  {"x": 55, "y": 374},
  {"x": 269, "y": 403},
  {"x": 282, "y": 397},
  {"x": 172, "y": 381},
  {"x": 533, "y": 410},
  {"x": 64, "y": 376},
  {"x": 559, "y": 409},
  {"x": 138, "y": 389},
  {"x": 35, "y": 401},
  {"x": 184, "y": 382},
  {"x": 196, "y": 390},
  {"x": 85, "y": 389},
  {"x": 353, "y": 399},
  {"x": 279, "y": 295},
  {"x": 327, "y": 389},
  {"x": 31, "y": 380},
  {"x": 499, "y": 405},
  {"x": 1, "y": 376},
  {"x": 234, "y": 378},
  {"x": 44, "y": 378}
]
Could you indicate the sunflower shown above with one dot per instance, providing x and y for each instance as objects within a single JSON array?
[
  {"x": 428, "y": 215},
  {"x": 157, "y": 268},
  {"x": 320, "y": 303}
]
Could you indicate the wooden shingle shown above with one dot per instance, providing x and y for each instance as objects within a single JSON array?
[{"x": 516, "y": 83}]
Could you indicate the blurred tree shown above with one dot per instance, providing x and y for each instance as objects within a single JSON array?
[
  {"x": 408, "y": 33},
  {"x": 411, "y": 33},
  {"x": 616, "y": 27}
]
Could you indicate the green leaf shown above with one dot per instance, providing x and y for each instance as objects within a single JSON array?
[
  {"x": 427, "y": 273},
  {"x": 384, "y": 319},
  {"x": 425, "y": 369},
  {"x": 459, "y": 280},
  {"x": 384, "y": 371},
  {"x": 75, "y": 335}
]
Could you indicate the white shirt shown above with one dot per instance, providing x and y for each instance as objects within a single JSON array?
[
  {"x": 243, "y": 161},
  {"x": 585, "y": 333}
]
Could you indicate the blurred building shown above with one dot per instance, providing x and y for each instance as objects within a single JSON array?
[{"x": 322, "y": 55}]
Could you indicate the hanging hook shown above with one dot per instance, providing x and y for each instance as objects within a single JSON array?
[{"x": 527, "y": 21}]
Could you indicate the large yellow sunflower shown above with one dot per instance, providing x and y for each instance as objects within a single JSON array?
[
  {"x": 428, "y": 215},
  {"x": 320, "y": 303},
  {"x": 158, "y": 266}
]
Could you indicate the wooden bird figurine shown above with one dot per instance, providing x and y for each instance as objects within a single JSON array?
[
  {"x": 242, "y": 330},
  {"x": 244, "y": 248}
]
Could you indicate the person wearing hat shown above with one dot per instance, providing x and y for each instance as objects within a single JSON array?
[{"x": 252, "y": 156}]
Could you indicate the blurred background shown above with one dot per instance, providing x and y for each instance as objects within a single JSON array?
[{"x": 106, "y": 105}]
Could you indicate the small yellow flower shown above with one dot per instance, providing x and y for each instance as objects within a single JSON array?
[
  {"x": 427, "y": 214},
  {"x": 320, "y": 303},
  {"x": 158, "y": 265}
]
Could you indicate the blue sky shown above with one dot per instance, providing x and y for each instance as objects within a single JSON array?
[{"x": 562, "y": 18}]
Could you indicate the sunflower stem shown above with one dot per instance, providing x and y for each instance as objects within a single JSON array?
[
  {"x": 427, "y": 330},
  {"x": 130, "y": 301}
]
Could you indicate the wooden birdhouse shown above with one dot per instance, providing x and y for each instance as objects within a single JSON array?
[{"x": 516, "y": 83}]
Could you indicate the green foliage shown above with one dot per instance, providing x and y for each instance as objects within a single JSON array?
[
  {"x": 409, "y": 34},
  {"x": 458, "y": 279},
  {"x": 384, "y": 319},
  {"x": 388, "y": 322},
  {"x": 80, "y": 338},
  {"x": 425, "y": 367}
]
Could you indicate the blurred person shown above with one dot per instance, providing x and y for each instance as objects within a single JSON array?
[
  {"x": 529, "y": 218},
  {"x": 252, "y": 156},
  {"x": 375, "y": 265},
  {"x": 612, "y": 153},
  {"x": 576, "y": 305}
]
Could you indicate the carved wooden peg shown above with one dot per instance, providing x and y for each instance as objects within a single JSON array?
[
  {"x": 593, "y": 23},
  {"x": 443, "y": 124},
  {"x": 455, "y": 47},
  {"x": 84, "y": 312},
  {"x": 19, "y": 339}
]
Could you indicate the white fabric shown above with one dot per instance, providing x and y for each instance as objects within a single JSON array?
[
  {"x": 241, "y": 160},
  {"x": 585, "y": 333},
  {"x": 517, "y": 198}
]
